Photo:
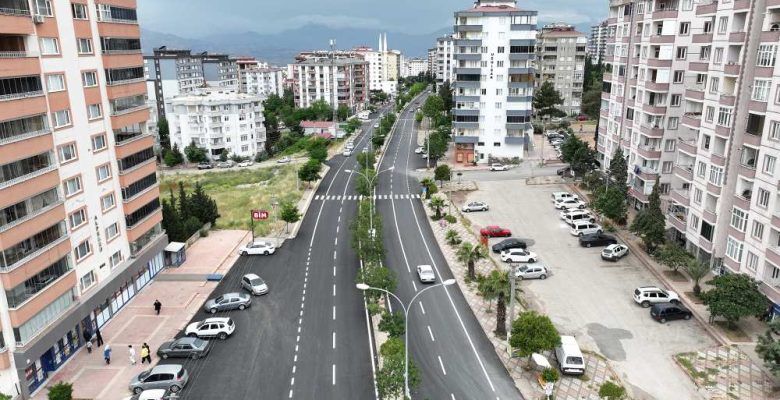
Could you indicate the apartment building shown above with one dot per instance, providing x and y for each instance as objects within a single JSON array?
[
  {"x": 560, "y": 60},
  {"x": 597, "y": 41},
  {"x": 218, "y": 120},
  {"x": 383, "y": 66},
  {"x": 220, "y": 70},
  {"x": 170, "y": 72},
  {"x": 262, "y": 81},
  {"x": 415, "y": 67},
  {"x": 494, "y": 51},
  {"x": 80, "y": 226},
  {"x": 432, "y": 61},
  {"x": 693, "y": 100},
  {"x": 315, "y": 78},
  {"x": 444, "y": 67}
]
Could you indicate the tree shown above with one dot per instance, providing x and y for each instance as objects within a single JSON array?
[
  {"x": 618, "y": 169},
  {"x": 545, "y": 101},
  {"x": 203, "y": 206},
  {"x": 173, "y": 157},
  {"x": 343, "y": 112},
  {"x": 696, "y": 270},
  {"x": 318, "y": 150},
  {"x": 184, "y": 206},
  {"x": 390, "y": 377},
  {"x": 289, "y": 214},
  {"x": 437, "y": 203},
  {"x": 533, "y": 333},
  {"x": 173, "y": 225},
  {"x": 445, "y": 92},
  {"x": 378, "y": 277},
  {"x": 583, "y": 160},
  {"x": 224, "y": 155},
  {"x": 60, "y": 391},
  {"x": 392, "y": 324},
  {"x": 430, "y": 187},
  {"x": 4, "y": 396},
  {"x": 611, "y": 202},
  {"x": 433, "y": 106},
  {"x": 366, "y": 160},
  {"x": 734, "y": 296},
  {"x": 310, "y": 171},
  {"x": 164, "y": 133},
  {"x": 672, "y": 255},
  {"x": 650, "y": 222},
  {"x": 768, "y": 347},
  {"x": 591, "y": 102},
  {"x": 195, "y": 154},
  {"x": 612, "y": 391},
  {"x": 497, "y": 286},
  {"x": 469, "y": 254},
  {"x": 442, "y": 173},
  {"x": 320, "y": 110},
  {"x": 453, "y": 238},
  {"x": 365, "y": 184}
]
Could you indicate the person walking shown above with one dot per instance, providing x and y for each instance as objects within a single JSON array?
[
  {"x": 98, "y": 337},
  {"x": 145, "y": 356},
  {"x": 131, "y": 354},
  {"x": 107, "y": 354},
  {"x": 157, "y": 306}
]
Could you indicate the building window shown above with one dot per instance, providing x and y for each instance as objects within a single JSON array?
[
  {"x": 682, "y": 52},
  {"x": 709, "y": 114},
  {"x": 672, "y": 123},
  {"x": 723, "y": 24},
  {"x": 89, "y": 79},
  {"x": 670, "y": 145},
  {"x": 757, "y": 231},
  {"x": 72, "y": 186},
  {"x": 112, "y": 231},
  {"x": 697, "y": 195},
  {"x": 761, "y": 89},
  {"x": 55, "y": 83},
  {"x": 678, "y": 76},
  {"x": 739, "y": 219},
  {"x": 718, "y": 58},
  {"x": 751, "y": 261},
  {"x": 716, "y": 175},
  {"x": 769, "y": 164},
  {"x": 675, "y": 100},
  {"x": 685, "y": 27},
  {"x": 82, "y": 250},
  {"x": 85, "y": 46},
  {"x": 667, "y": 167},
  {"x": 67, "y": 152},
  {"x": 724, "y": 116},
  {"x": 79, "y": 11},
  {"x": 43, "y": 7},
  {"x": 107, "y": 202},
  {"x": 61, "y": 118},
  {"x": 766, "y": 55},
  {"x": 763, "y": 198},
  {"x": 94, "y": 111},
  {"x": 701, "y": 169},
  {"x": 98, "y": 142},
  {"x": 87, "y": 280},
  {"x": 714, "y": 84},
  {"x": 116, "y": 258},
  {"x": 734, "y": 249},
  {"x": 704, "y": 54},
  {"x": 77, "y": 219},
  {"x": 50, "y": 46},
  {"x": 103, "y": 172},
  {"x": 774, "y": 130},
  {"x": 694, "y": 222}
]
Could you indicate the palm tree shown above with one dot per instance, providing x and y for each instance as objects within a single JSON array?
[
  {"x": 469, "y": 254},
  {"x": 437, "y": 203},
  {"x": 497, "y": 286},
  {"x": 453, "y": 237},
  {"x": 697, "y": 270}
]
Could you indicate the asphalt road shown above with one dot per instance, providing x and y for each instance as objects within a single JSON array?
[
  {"x": 308, "y": 337},
  {"x": 455, "y": 358}
]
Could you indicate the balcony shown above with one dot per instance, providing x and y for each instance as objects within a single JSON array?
[
  {"x": 705, "y": 9},
  {"x": 646, "y": 174},
  {"x": 687, "y": 146},
  {"x": 714, "y": 189},
  {"x": 468, "y": 28},
  {"x": 737, "y": 37},
  {"x": 692, "y": 120},
  {"x": 677, "y": 222},
  {"x": 695, "y": 92},
  {"x": 702, "y": 38},
  {"x": 747, "y": 170},
  {"x": 18, "y": 63},
  {"x": 653, "y": 131},
  {"x": 742, "y": 200},
  {"x": 637, "y": 194},
  {"x": 655, "y": 86},
  {"x": 684, "y": 171},
  {"x": 727, "y": 100},
  {"x": 659, "y": 63},
  {"x": 15, "y": 18},
  {"x": 709, "y": 215},
  {"x": 698, "y": 66},
  {"x": 732, "y": 68},
  {"x": 718, "y": 159},
  {"x": 649, "y": 152},
  {"x": 661, "y": 39},
  {"x": 670, "y": 13},
  {"x": 681, "y": 197}
]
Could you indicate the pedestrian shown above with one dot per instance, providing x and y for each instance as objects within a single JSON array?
[
  {"x": 87, "y": 336},
  {"x": 107, "y": 354},
  {"x": 98, "y": 337},
  {"x": 131, "y": 354},
  {"x": 157, "y": 306},
  {"x": 145, "y": 356},
  {"x": 89, "y": 346}
]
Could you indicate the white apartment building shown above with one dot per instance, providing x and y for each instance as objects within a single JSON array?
[
  {"x": 597, "y": 42},
  {"x": 217, "y": 120},
  {"x": 494, "y": 52},
  {"x": 415, "y": 67},
  {"x": 444, "y": 67},
  {"x": 560, "y": 60},
  {"x": 315, "y": 78},
  {"x": 262, "y": 81},
  {"x": 383, "y": 66},
  {"x": 692, "y": 99}
]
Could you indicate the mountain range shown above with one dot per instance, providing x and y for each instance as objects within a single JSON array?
[{"x": 280, "y": 48}]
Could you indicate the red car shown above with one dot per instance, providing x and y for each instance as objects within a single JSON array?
[
  {"x": 582, "y": 117},
  {"x": 495, "y": 231}
]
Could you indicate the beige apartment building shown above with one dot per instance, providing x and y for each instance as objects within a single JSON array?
[
  {"x": 691, "y": 96},
  {"x": 80, "y": 215},
  {"x": 560, "y": 60}
]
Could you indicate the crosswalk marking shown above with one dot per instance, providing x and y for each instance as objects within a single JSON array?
[{"x": 402, "y": 196}]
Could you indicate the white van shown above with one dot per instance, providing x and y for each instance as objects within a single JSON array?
[
  {"x": 578, "y": 216},
  {"x": 585, "y": 228},
  {"x": 570, "y": 357}
]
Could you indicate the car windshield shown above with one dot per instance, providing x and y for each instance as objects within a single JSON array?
[
  {"x": 522, "y": 269},
  {"x": 143, "y": 375},
  {"x": 574, "y": 360},
  {"x": 257, "y": 282},
  {"x": 230, "y": 322},
  {"x": 198, "y": 343},
  {"x": 219, "y": 299}
]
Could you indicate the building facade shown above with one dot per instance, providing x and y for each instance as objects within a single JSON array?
[
  {"x": 170, "y": 72},
  {"x": 432, "y": 61},
  {"x": 693, "y": 100},
  {"x": 262, "y": 81},
  {"x": 80, "y": 227},
  {"x": 415, "y": 67},
  {"x": 315, "y": 78},
  {"x": 494, "y": 48},
  {"x": 560, "y": 60},
  {"x": 384, "y": 66},
  {"x": 220, "y": 70},
  {"x": 597, "y": 42},
  {"x": 445, "y": 63},
  {"x": 218, "y": 121}
]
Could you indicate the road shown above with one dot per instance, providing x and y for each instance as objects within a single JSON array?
[
  {"x": 308, "y": 338},
  {"x": 455, "y": 358}
]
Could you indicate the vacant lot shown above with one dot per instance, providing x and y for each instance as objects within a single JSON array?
[{"x": 239, "y": 191}]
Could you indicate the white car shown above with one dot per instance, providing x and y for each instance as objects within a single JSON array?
[
  {"x": 221, "y": 328},
  {"x": 560, "y": 196},
  {"x": 283, "y": 160},
  {"x": 570, "y": 203},
  {"x": 254, "y": 284},
  {"x": 151, "y": 394},
  {"x": 418, "y": 150},
  {"x": 498, "y": 167},
  {"x": 347, "y": 152},
  {"x": 532, "y": 271},
  {"x": 255, "y": 248},
  {"x": 583, "y": 228},
  {"x": 566, "y": 213},
  {"x": 425, "y": 273},
  {"x": 518, "y": 256},
  {"x": 614, "y": 252},
  {"x": 475, "y": 206},
  {"x": 246, "y": 163},
  {"x": 649, "y": 295},
  {"x": 376, "y": 125}
]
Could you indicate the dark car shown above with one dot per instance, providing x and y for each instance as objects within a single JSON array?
[
  {"x": 205, "y": 165},
  {"x": 563, "y": 171},
  {"x": 507, "y": 244},
  {"x": 495, "y": 231},
  {"x": 663, "y": 312},
  {"x": 597, "y": 239},
  {"x": 186, "y": 347}
]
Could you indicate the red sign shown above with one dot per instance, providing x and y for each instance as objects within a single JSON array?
[{"x": 259, "y": 215}]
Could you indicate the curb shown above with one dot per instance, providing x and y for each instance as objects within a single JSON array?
[
  {"x": 307, "y": 202},
  {"x": 232, "y": 251}
]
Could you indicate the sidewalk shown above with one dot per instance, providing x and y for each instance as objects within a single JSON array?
[{"x": 137, "y": 323}]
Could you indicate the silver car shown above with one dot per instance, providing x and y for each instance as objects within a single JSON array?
[
  {"x": 475, "y": 206},
  {"x": 532, "y": 271},
  {"x": 254, "y": 284},
  {"x": 173, "y": 377},
  {"x": 186, "y": 347},
  {"x": 228, "y": 301}
]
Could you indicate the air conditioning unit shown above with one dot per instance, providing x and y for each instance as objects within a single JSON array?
[{"x": 38, "y": 19}]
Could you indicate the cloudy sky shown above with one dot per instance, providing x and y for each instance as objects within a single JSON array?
[{"x": 198, "y": 18}]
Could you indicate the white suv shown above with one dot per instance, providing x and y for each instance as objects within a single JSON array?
[
  {"x": 585, "y": 228},
  {"x": 649, "y": 295},
  {"x": 253, "y": 248},
  {"x": 560, "y": 196},
  {"x": 498, "y": 167},
  {"x": 211, "y": 327},
  {"x": 518, "y": 256}
]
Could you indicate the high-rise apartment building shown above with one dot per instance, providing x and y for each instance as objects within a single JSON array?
[
  {"x": 170, "y": 72},
  {"x": 315, "y": 78},
  {"x": 432, "y": 61},
  {"x": 494, "y": 51},
  {"x": 597, "y": 41},
  {"x": 220, "y": 70},
  {"x": 692, "y": 98},
  {"x": 560, "y": 60},
  {"x": 262, "y": 81},
  {"x": 383, "y": 66},
  {"x": 445, "y": 64},
  {"x": 415, "y": 67},
  {"x": 80, "y": 216}
]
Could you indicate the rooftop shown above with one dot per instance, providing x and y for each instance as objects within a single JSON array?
[
  {"x": 214, "y": 96},
  {"x": 316, "y": 124}
]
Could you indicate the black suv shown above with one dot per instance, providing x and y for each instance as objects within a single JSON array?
[
  {"x": 597, "y": 239},
  {"x": 663, "y": 312},
  {"x": 507, "y": 244}
]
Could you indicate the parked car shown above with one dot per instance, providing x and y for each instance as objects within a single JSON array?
[
  {"x": 572, "y": 215},
  {"x": 475, "y": 206},
  {"x": 563, "y": 171},
  {"x": 205, "y": 165},
  {"x": 283, "y": 160},
  {"x": 518, "y": 256},
  {"x": 228, "y": 301},
  {"x": 649, "y": 295},
  {"x": 663, "y": 312},
  {"x": 507, "y": 244},
  {"x": 376, "y": 125},
  {"x": 219, "y": 328},
  {"x": 254, "y": 284},
  {"x": 419, "y": 150},
  {"x": 247, "y": 163},
  {"x": 170, "y": 376},
  {"x": 570, "y": 203},
  {"x": 498, "y": 167},
  {"x": 255, "y": 248},
  {"x": 347, "y": 152},
  {"x": 597, "y": 239},
  {"x": 225, "y": 164},
  {"x": 186, "y": 347},
  {"x": 560, "y": 196},
  {"x": 425, "y": 274},
  {"x": 495, "y": 231},
  {"x": 614, "y": 252},
  {"x": 569, "y": 356},
  {"x": 583, "y": 228},
  {"x": 582, "y": 117},
  {"x": 153, "y": 394},
  {"x": 532, "y": 271}
]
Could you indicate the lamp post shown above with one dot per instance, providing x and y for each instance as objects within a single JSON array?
[
  {"x": 371, "y": 180},
  {"x": 406, "y": 308}
]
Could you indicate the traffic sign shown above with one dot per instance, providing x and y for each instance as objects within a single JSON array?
[{"x": 259, "y": 215}]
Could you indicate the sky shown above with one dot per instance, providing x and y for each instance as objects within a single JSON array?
[{"x": 200, "y": 18}]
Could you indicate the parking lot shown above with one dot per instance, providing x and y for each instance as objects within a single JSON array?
[{"x": 590, "y": 298}]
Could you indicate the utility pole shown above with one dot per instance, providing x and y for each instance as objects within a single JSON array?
[
  {"x": 334, "y": 96},
  {"x": 513, "y": 282}
]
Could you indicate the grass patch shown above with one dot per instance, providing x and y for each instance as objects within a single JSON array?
[
  {"x": 239, "y": 191},
  {"x": 675, "y": 276},
  {"x": 733, "y": 332},
  {"x": 683, "y": 360}
]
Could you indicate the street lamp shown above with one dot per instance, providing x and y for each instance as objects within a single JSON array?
[
  {"x": 370, "y": 180},
  {"x": 406, "y": 308}
]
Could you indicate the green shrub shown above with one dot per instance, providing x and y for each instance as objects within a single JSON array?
[
  {"x": 612, "y": 391},
  {"x": 550, "y": 375},
  {"x": 61, "y": 391},
  {"x": 450, "y": 218}
]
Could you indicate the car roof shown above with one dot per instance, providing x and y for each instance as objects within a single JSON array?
[
  {"x": 216, "y": 319},
  {"x": 660, "y": 306},
  {"x": 425, "y": 268},
  {"x": 612, "y": 246},
  {"x": 186, "y": 339},
  {"x": 167, "y": 368},
  {"x": 251, "y": 276},
  {"x": 231, "y": 294}
]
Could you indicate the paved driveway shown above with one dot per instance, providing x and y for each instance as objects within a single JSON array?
[{"x": 590, "y": 298}]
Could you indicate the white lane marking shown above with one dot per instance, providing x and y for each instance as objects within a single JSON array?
[
  {"x": 334, "y": 270},
  {"x": 293, "y": 369},
  {"x": 337, "y": 231},
  {"x": 452, "y": 396},
  {"x": 334, "y": 254},
  {"x": 336, "y": 242},
  {"x": 414, "y": 285},
  {"x": 290, "y": 394},
  {"x": 334, "y": 313},
  {"x": 334, "y": 374},
  {"x": 334, "y": 339},
  {"x": 442, "y": 366},
  {"x": 292, "y": 381},
  {"x": 334, "y": 289},
  {"x": 430, "y": 332},
  {"x": 422, "y": 308}
]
